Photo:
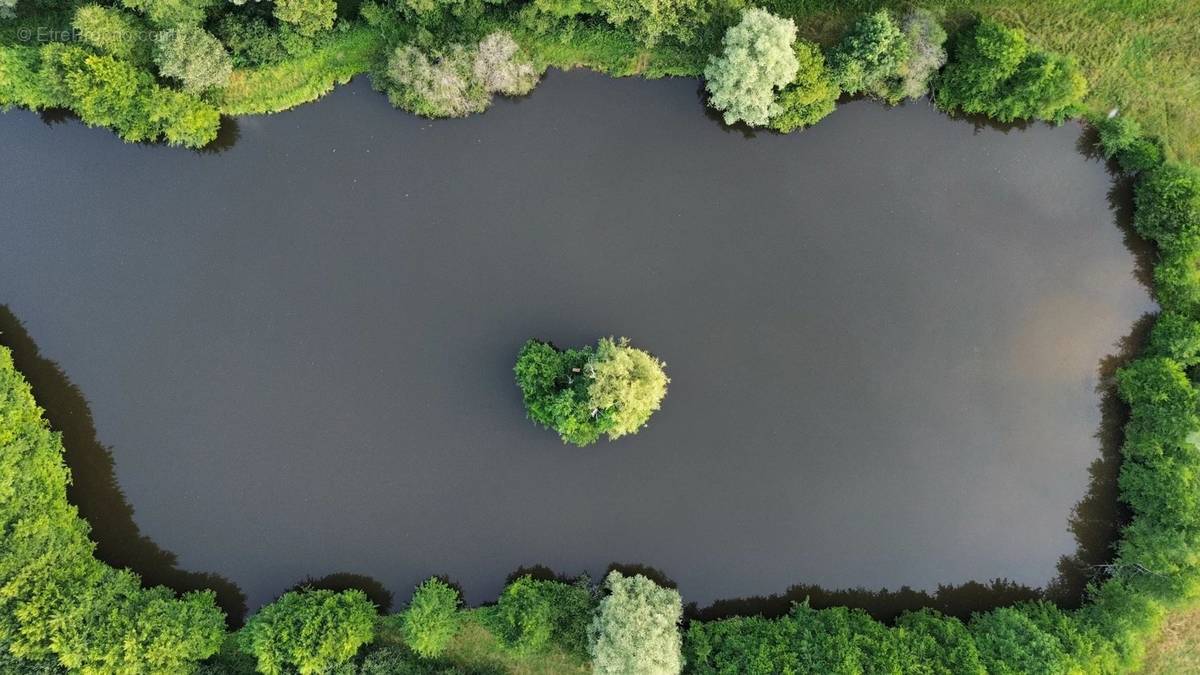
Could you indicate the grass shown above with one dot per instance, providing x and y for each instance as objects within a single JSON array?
[
  {"x": 475, "y": 649},
  {"x": 1177, "y": 648},
  {"x": 285, "y": 85}
]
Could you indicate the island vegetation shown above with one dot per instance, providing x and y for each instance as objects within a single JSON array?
[
  {"x": 167, "y": 69},
  {"x": 583, "y": 394}
]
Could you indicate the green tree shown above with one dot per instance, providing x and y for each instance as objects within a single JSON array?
[
  {"x": 167, "y": 13},
  {"x": 193, "y": 56},
  {"x": 1121, "y": 138},
  {"x": 1010, "y": 643},
  {"x": 756, "y": 61},
  {"x": 870, "y": 56},
  {"x": 308, "y": 16},
  {"x": 585, "y": 393},
  {"x": 431, "y": 620},
  {"x": 925, "y": 37},
  {"x": 1167, "y": 206},
  {"x": 811, "y": 95},
  {"x": 1177, "y": 337},
  {"x": 654, "y": 20},
  {"x": 114, "y": 32},
  {"x": 627, "y": 383},
  {"x": 996, "y": 72},
  {"x": 532, "y": 614},
  {"x": 942, "y": 645},
  {"x": 636, "y": 629},
  {"x": 310, "y": 631}
]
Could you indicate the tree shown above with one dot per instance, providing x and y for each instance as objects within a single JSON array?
[
  {"x": 585, "y": 393},
  {"x": 308, "y": 16},
  {"x": 1177, "y": 337},
  {"x": 1121, "y": 138},
  {"x": 636, "y": 629},
  {"x": 112, "y": 31},
  {"x": 169, "y": 13},
  {"x": 925, "y": 37},
  {"x": 311, "y": 631},
  {"x": 628, "y": 382},
  {"x": 870, "y": 56},
  {"x": 653, "y": 20},
  {"x": 756, "y": 60},
  {"x": 996, "y": 72},
  {"x": 459, "y": 80},
  {"x": 940, "y": 643},
  {"x": 532, "y": 614},
  {"x": 811, "y": 95},
  {"x": 431, "y": 620},
  {"x": 1167, "y": 206},
  {"x": 193, "y": 56}
]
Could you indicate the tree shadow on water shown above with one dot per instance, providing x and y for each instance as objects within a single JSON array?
[{"x": 94, "y": 489}]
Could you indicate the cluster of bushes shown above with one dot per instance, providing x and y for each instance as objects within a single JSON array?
[
  {"x": 765, "y": 76},
  {"x": 611, "y": 389},
  {"x": 59, "y": 606}
]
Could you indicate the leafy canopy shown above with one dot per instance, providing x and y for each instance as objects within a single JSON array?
[
  {"x": 611, "y": 389},
  {"x": 756, "y": 61},
  {"x": 310, "y": 631},
  {"x": 636, "y": 629}
]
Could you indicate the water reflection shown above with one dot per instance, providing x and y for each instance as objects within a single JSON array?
[{"x": 94, "y": 489}]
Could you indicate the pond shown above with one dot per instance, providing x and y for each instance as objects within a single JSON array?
[{"x": 888, "y": 338}]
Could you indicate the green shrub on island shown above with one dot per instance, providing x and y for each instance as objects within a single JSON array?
[
  {"x": 431, "y": 619},
  {"x": 636, "y": 629},
  {"x": 309, "y": 631},
  {"x": 583, "y": 394}
]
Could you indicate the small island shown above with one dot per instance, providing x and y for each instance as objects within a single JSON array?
[{"x": 610, "y": 389}]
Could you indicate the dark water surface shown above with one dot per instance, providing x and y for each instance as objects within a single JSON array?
[{"x": 886, "y": 337}]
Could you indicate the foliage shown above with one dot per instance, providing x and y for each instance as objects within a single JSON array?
[
  {"x": 870, "y": 57},
  {"x": 309, "y": 17},
  {"x": 925, "y": 37},
  {"x": 167, "y": 13},
  {"x": 459, "y": 80},
  {"x": 636, "y": 629},
  {"x": 1177, "y": 337},
  {"x": 654, "y": 20},
  {"x": 114, "y": 32},
  {"x": 531, "y": 615},
  {"x": 252, "y": 41},
  {"x": 57, "y": 602},
  {"x": 1167, "y": 203},
  {"x": 193, "y": 56},
  {"x": 431, "y": 619},
  {"x": 756, "y": 61},
  {"x": 585, "y": 393},
  {"x": 996, "y": 72},
  {"x": 311, "y": 631},
  {"x": 1121, "y": 138},
  {"x": 811, "y": 95}
]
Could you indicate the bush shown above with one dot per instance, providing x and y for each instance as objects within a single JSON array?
[
  {"x": 432, "y": 619},
  {"x": 941, "y": 644},
  {"x": 996, "y": 72},
  {"x": 57, "y": 602},
  {"x": 1121, "y": 138},
  {"x": 636, "y": 629},
  {"x": 168, "y": 13},
  {"x": 113, "y": 32},
  {"x": 870, "y": 56},
  {"x": 460, "y": 80},
  {"x": 309, "y": 17},
  {"x": 193, "y": 56},
  {"x": 531, "y": 615},
  {"x": 1167, "y": 207},
  {"x": 811, "y": 95},
  {"x": 1176, "y": 337},
  {"x": 925, "y": 37},
  {"x": 1010, "y": 643},
  {"x": 254, "y": 42},
  {"x": 653, "y": 20},
  {"x": 310, "y": 631},
  {"x": 585, "y": 393},
  {"x": 756, "y": 61}
]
